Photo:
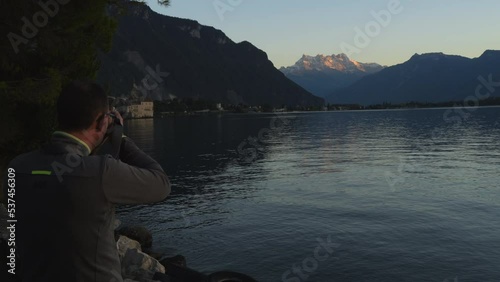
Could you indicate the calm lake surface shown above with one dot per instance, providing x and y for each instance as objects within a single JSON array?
[{"x": 408, "y": 195}]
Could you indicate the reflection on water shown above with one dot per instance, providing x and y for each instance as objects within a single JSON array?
[
  {"x": 404, "y": 195},
  {"x": 144, "y": 133}
]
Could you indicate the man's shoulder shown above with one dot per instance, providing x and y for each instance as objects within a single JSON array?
[
  {"x": 99, "y": 158},
  {"x": 24, "y": 158},
  {"x": 38, "y": 159}
]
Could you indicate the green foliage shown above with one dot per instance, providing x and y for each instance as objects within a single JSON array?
[
  {"x": 492, "y": 101},
  {"x": 37, "y": 63},
  {"x": 184, "y": 105},
  {"x": 169, "y": 106}
]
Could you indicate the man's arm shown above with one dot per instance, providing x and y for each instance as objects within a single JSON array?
[{"x": 134, "y": 179}]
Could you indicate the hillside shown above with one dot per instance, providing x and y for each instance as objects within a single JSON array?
[
  {"x": 433, "y": 77},
  {"x": 193, "y": 61}
]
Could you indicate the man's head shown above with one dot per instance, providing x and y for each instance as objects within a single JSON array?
[{"x": 82, "y": 111}]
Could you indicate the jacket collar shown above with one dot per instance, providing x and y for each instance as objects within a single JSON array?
[{"x": 69, "y": 143}]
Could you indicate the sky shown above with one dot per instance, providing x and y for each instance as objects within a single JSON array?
[{"x": 387, "y": 32}]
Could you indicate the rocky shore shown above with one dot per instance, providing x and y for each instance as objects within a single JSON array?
[{"x": 139, "y": 261}]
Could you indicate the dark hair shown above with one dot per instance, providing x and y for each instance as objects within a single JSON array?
[{"x": 79, "y": 104}]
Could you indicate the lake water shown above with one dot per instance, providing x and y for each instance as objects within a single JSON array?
[{"x": 408, "y": 195}]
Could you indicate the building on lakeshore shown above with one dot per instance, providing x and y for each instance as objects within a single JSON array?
[{"x": 142, "y": 110}]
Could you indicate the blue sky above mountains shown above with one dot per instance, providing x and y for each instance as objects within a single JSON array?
[{"x": 383, "y": 31}]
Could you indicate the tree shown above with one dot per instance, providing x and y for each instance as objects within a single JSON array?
[{"x": 49, "y": 43}]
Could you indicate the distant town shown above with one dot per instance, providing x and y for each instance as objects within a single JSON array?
[{"x": 189, "y": 106}]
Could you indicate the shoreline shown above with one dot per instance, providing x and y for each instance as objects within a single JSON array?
[{"x": 300, "y": 112}]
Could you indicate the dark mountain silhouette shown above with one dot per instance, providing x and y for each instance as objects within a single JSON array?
[
  {"x": 201, "y": 62},
  {"x": 322, "y": 74},
  {"x": 433, "y": 77}
]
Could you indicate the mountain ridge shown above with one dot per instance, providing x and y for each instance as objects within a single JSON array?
[
  {"x": 429, "y": 77},
  {"x": 201, "y": 62}
]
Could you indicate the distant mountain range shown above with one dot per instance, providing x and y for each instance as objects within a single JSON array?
[
  {"x": 162, "y": 57},
  {"x": 321, "y": 75},
  {"x": 433, "y": 77}
]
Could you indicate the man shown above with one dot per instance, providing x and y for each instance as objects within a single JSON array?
[{"x": 65, "y": 195}]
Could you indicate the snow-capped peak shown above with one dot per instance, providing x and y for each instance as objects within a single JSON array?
[{"x": 338, "y": 62}]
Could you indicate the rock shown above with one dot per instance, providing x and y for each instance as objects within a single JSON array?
[
  {"x": 140, "y": 234},
  {"x": 124, "y": 243},
  {"x": 153, "y": 254},
  {"x": 139, "y": 266},
  {"x": 116, "y": 224},
  {"x": 176, "y": 260}
]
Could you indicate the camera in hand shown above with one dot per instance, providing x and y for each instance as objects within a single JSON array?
[{"x": 112, "y": 139}]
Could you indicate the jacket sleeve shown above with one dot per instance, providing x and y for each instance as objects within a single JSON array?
[{"x": 134, "y": 179}]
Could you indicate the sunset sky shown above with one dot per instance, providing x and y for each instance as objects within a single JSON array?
[{"x": 286, "y": 29}]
